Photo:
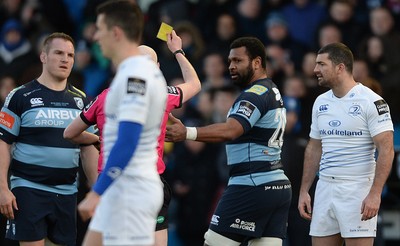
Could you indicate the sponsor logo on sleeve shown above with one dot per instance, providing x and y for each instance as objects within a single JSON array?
[
  {"x": 90, "y": 104},
  {"x": 257, "y": 89},
  {"x": 173, "y": 90},
  {"x": 246, "y": 109},
  {"x": 137, "y": 86},
  {"x": 6, "y": 120},
  {"x": 381, "y": 106}
]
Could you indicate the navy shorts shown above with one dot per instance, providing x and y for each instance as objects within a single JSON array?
[
  {"x": 162, "y": 218},
  {"x": 246, "y": 212},
  {"x": 43, "y": 214}
]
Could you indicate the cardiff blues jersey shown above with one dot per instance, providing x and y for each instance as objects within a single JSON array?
[
  {"x": 346, "y": 127},
  {"x": 33, "y": 119},
  {"x": 254, "y": 158}
]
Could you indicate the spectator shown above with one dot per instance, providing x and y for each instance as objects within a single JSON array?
[
  {"x": 327, "y": 34},
  {"x": 303, "y": 18},
  {"x": 277, "y": 33},
  {"x": 215, "y": 71},
  {"x": 225, "y": 31},
  {"x": 342, "y": 15},
  {"x": 249, "y": 17},
  {"x": 280, "y": 63},
  {"x": 361, "y": 74},
  {"x": 16, "y": 52},
  {"x": 7, "y": 84}
]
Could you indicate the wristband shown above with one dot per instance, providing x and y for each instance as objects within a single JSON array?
[
  {"x": 179, "y": 51},
  {"x": 191, "y": 133}
]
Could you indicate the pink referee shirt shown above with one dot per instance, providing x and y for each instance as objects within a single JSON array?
[
  {"x": 174, "y": 101},
  {"x": 94, "y": 114}
]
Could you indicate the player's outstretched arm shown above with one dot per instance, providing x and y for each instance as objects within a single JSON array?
[
  {"x": 192, "y": 84},
  {"x": 214, "y": 133}
]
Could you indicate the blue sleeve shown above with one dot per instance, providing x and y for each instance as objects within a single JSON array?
[{"x": 121, "y": 153}]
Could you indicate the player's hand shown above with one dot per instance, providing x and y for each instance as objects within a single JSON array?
[
  {"x": 88, "y": 205},
  {"x": 370, "y": 206},
  {"x": 304, "y": 205},
  {"x": 174, "y": 42},
  {"x": 8, "y": 203},
  {"x": 97, "y": 145},
  {"x": 176, "y": 131}
]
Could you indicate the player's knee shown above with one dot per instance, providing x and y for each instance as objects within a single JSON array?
[
  {"x": 270, "y": 241},
  {"x": 213, "y": 239}
]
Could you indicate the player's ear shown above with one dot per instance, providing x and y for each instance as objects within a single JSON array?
[
  {"x": 43, "y": 57},
  {"x": 256, "y": 62}
]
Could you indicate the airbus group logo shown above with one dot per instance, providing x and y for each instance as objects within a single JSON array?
[{"x": 36, "y": 101}]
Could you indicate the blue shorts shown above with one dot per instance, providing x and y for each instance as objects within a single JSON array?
[
  {"x": 162, "y": 217},
  {"x": 43, "y": 214},
  {"x": 246, "y": 212}
]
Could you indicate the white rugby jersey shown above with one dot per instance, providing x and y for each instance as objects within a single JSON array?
[
  {"x": 137, "y": 94},
  {"x": 346, "y": 126}
]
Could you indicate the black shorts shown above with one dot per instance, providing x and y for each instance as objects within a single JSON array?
[
  {"x": 162, "y": 218},
  {"x": 246, "y": 212},
  {"x": 43, "y": 214}
]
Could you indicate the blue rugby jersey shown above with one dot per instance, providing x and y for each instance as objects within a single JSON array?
[
  {"x": 254, "y": 158},
  {"x": 33, "y": 119}
]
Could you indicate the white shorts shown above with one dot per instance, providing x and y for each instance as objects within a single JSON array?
[
  {"x": 127, "y": 212},
  {"x": 337, "y": 208}
]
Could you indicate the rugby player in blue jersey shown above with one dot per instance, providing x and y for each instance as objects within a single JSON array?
[
  {"x": 42, "y": 201},
  {"x": 254, "y": 207}
]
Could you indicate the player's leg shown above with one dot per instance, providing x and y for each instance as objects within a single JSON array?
[
  {"x": 47, "y": 242},
  {"x": 212, "y": 238},
  {"x": 161, "y": 234},
  {"x": 362, "y": 241},
  {"x": 270, "y": 241},
  {"x": 349, "y": 198},
  {"x": 92, "y": 238},
  {"x": 32, "y": 243},
  {"x": 333, "y": 240},
  {"x": 161, "y": 237},
  {"x": 278, "y": 199}
]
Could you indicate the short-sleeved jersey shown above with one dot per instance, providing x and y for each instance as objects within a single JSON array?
[
  {"x": 174, "y": 101},
  {"x": 93, "y": 114},
  {"x": 254, "y": 158},
  {"x": 33, "y": 119},
  {"x": 346, "y": 127},
  {"x": 138, "y": 94}
]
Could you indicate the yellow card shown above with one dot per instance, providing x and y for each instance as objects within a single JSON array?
[{"x": 163, "y": 31}]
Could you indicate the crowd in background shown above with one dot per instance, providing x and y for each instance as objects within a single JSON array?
[{"x": 292, "y": 32}]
